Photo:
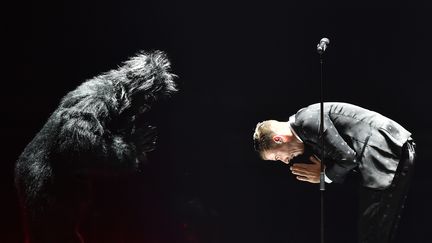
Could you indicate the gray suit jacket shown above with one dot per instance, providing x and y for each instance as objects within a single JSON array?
[{"x": 353, "y": 137}]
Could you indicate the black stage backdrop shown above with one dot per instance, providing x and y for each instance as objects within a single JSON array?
[{"x": 238, "y": 64}]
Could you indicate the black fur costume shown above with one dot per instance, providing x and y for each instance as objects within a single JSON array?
[{"x": 93, "y": 131}]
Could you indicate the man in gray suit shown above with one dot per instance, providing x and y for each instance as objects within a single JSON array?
[{"x": 354, "y": 139}]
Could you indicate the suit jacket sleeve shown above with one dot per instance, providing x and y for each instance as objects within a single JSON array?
[{"x": 336, "y": 149}]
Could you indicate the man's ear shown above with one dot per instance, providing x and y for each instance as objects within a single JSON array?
[{"x": 279, "y": 139}]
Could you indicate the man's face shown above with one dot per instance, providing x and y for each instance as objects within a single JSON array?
[{"x": 284, "y": 152}]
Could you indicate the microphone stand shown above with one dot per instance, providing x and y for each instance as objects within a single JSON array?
[
  {"x": 321, "y": 132},
  {"x": 321, "y": 129},
  {"x": 321, "y": 49}
]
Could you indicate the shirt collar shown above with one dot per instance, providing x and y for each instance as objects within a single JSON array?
[{"x": 290, "y": 122}]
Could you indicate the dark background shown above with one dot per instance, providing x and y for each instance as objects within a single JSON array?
[{"x": 238, "y": 63}]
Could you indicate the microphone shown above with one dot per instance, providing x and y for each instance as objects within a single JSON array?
[{"x": 322, "y": 46}]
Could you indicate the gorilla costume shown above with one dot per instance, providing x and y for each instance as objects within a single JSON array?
[{"x": 97, "y": 130}]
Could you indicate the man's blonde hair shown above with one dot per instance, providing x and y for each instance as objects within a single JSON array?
[{"x": 263, "y": 136}]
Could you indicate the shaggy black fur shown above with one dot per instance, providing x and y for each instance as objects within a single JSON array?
[{"x": 93, "y": 131}]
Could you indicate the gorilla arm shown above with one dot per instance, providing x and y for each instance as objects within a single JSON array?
[{"x": 85, "y": 143}]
